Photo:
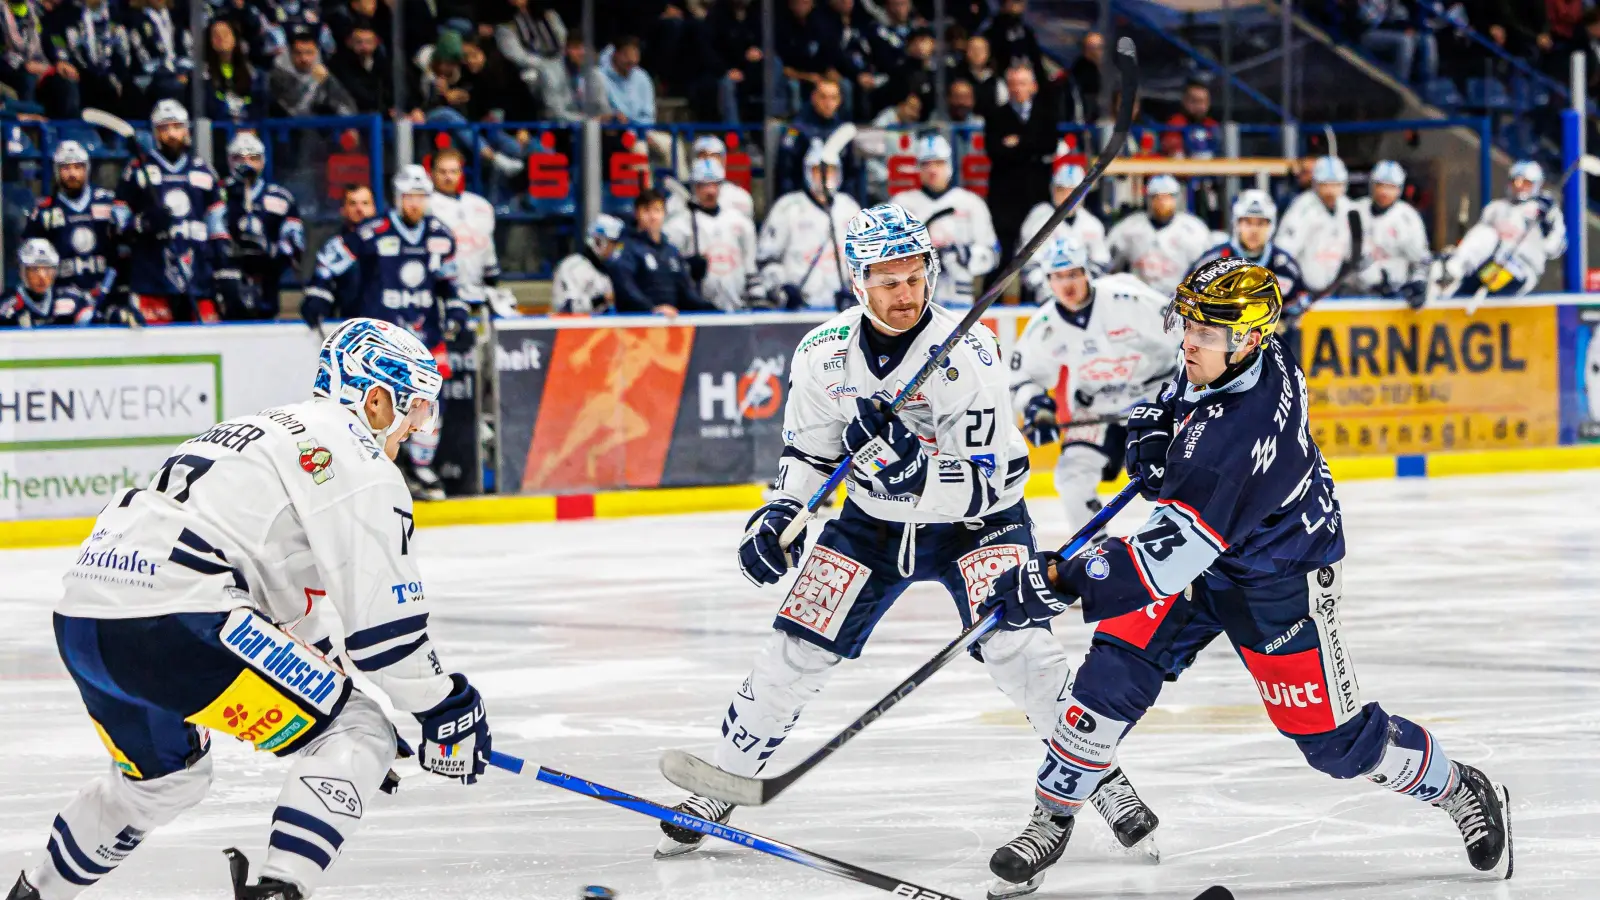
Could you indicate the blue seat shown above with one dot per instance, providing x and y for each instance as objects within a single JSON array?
[
  {"x": 1487, "y": 93},
  {"x": 1442, "y": 92}
]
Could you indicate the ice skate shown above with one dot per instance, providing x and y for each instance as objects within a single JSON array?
[
  {"x": 1132, "y": 822},
  {"x": 1482, "y": 810},
  {"x": 263, "y": 889},
  {"x": 678, "y": 841},
  {"x": 1020, "y": 865},
  {"x": 22, "y": 890}
]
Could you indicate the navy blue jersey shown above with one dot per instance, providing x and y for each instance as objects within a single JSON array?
[
  {"x": 1274, "y": 259},
  {"x": 268, "y": 236},
  {"x": 1247, "y": 498},
  {"x": 61, "y": 305},
  {"x": 407, "y": 275},
  {"x": 647, "y": 273},
  {"x": 176, "y": 227},
  {"x": 84, "y": 230}
]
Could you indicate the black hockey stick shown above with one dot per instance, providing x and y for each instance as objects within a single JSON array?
[
  {"x": 1351, "y": 265},
  {"x": 694, "y": 774},
  {"x": 1127, "y": 62}
]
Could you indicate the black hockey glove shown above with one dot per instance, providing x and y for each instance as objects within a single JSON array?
[
  {"x": 791, "y": 297},
  {"x": 455, "y": 735},
  {"x": 1039, "y": 421},
  {"x": 1026, "y": 594},
  {"x": 313, "y": 310},
  {"x": 1545, "y": 203},
  {"x": 1149, "y": 435},
  {"x": 697, "y": 268},
  {"x": 761, "y": 557},
  {"x": 884, "y": 451}
]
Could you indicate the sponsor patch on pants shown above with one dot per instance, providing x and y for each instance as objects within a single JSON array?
[
  {"x": 253, "y": 710},
  {"x": 1294, "y": 688},
  {"x": 1139, "y": 626},
  {"x": 303, "y": 672},
  {"x": 981, "y": 567},
  {"x": 822, "y": 596}
]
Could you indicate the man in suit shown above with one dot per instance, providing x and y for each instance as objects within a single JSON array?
[{"x": 1021, "y": 138}]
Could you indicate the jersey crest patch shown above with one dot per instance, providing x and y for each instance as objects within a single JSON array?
[{"x": 316, "y": 460}]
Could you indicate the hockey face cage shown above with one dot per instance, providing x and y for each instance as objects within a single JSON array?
[
  {"x": 1229, "y": 298},
  {"x": 367, "y": 354}
]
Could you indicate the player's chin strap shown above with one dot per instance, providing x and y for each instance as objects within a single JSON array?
[{"x": 382, "y": 434}]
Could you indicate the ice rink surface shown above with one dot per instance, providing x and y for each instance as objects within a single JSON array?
[{"x": 1471, "y": 605}]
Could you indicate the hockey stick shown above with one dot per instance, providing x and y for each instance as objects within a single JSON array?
[
  {"x": 1127, "y": 61},
  {"x": 726, "y": 832},
  {"x": 1351, "y": 265},
  {"x": 111, "y": 123},
  {"x": 694, "y": 774}
]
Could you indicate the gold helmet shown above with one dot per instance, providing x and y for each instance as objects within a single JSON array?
[{"x": 1232, "y": 292}]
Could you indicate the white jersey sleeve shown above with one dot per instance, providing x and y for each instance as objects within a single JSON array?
[
  {"x": 958, "y": 224},
  {"x": 578, "y": 287},
  {"x": 802, "y": 245},
  {"x": 1508, "y": 234},
  {"x": 1396, "y": 243},
  {"x": 471, "y": 221},
  {"x": 1318, "y": 238}
]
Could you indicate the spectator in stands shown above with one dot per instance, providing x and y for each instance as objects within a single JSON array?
[
  {"x": 27, "y": 69},
  {"x": 1011, "y": 38},
  {"x": 649, "y": 275},
  {"x": 1565, "y": 18},
  {"x": 816, "y": 122},
  {"x": 353, "y": 14},
  {"x": 300, "y": 85},
  {"x": 561, "y": 89},
  {"x": 1196, "y": 135},
  {"x": 903, "y": 115},
  {"x": 1021, "y": 143},
  {"x": 802, "y": 46},
  {"x": 961, "y": 103},
  {"x": 730, "y": 43},
  {"x": 234, "y": 92},
  {"x": 162, "y": 54},
  {"x": 533, "y": 36},
  {"x": 629, "y": 90},
  {"x": 95, "y": 46},
  {"x": 362, "y": 66},
  {"x": 1517, "y": 26},
  {"x": 1396, "y": 35},
  {"x": 1085, "y": 73},
  {"x": 851, "y": 53},
  {"x": 889, "y": 34},
  {"x": 977, "y": 69},
  {"x": 251, "y": 30},
  {"x": 914, "y": 74}
]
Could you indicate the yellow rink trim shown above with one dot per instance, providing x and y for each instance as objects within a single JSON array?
[{"x": 22, "y": 534}]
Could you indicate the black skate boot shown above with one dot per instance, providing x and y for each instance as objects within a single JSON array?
[
  {"x": 1132, "y": 822},
  {"x": 423, "y": 482},
  {"x": 1482, "y": 810},
  {"x": 1020, "y": 865},
  {"x": 263, "y": 889},
  {"x": 22, "y": 890},
  {"x": 678, "y": 841}
]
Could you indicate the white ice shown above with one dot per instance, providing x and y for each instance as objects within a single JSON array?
[{"x": 1470, "y": 605}]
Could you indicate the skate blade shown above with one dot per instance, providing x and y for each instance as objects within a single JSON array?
[
  {"x": 671, "y": 849},
  {"x": 1145, "y": 851},
  {"x": 1502, "y": 869},
  {"x": 1002, "y": 889}
]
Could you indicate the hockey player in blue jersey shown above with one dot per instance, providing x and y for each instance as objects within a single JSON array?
[
  {"x": 81, "y": 222},
  {"x": 407, "y": 271},
  {"x": 268, "y": 236},
  {"x": 356, "y": 206},
  {"x": 175, "y": 232},
  {"x": 1246, "y": 540},
  {"x": 41, "y": 300}
]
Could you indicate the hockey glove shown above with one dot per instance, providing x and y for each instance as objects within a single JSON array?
[
  {"x": 792, "y": 297},
  {"x": 1545, "y": 203},
  {"x": 314, "y": 309},
  {"x": 1415, "y": 293},
  {"x": 456, "y": 318},
  {"x": 1026, "y": 595},
  {"x": 843, "y": 299},
  {"x": 455, "y": 734},
  {"x": 1039, "y": 421},
  {"x": 961, "y": 253},
  {"x": 761, "y": 557},
  {"x": 884, "y": 451},
  {"x": 1149, "y": 435},
  {"x": 697, "y": 268}
]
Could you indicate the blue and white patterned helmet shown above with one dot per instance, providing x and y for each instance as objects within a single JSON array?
[
  {"x": 1530, "y": 170},
  {"x": 363, "y": 354},
  {"x": 1162, "y": 184},
  {"x": 882, "y": 233},
  {"x": 817, "y": 155},
  {"x": 1068, "y": 176},
  {"x": 1255, "y": 204},
  {"x": 1065, "y": 252},
  {"x": 706, "y": 171},
  {"x": 933, "y": 148},
  {"x": 1329, "y": 170},
  {"x": 1388, "y": 172},
  {"x": 604, "y": 228}
]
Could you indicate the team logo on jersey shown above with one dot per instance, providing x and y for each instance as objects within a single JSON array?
[
  {"x": 1097, "y": 567},
  {"x": 201, "y": 180},
  {"x": 316, "y": 460},
  {"x": 439, "y": 245},
  {"x": 177, "y": 203},
  {"x": 274, "y": 204},
  {"x": 952, "y": 373},
  {"x": 412, "y": 273},
  {"x": 82, "y": 239}
]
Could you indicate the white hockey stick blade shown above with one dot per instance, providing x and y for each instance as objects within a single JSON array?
[
  {"x": 1476, "y": 300},
  {"x": 102, "y": 119},
  {"x": 840, "y": 139},
  {"x": 677, "y": 189},
  {"x": 1590, "y": 164},
  {"x": 697, "y": 776}
]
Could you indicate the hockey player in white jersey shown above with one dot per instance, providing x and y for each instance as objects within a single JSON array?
[
  {"x": 957, "y": 220},
  {"x": 1080, "y": 222},
  {"x": 1098, "y": 349},
  {"x": 470, "y": 219},
  {"x": 1395, "y": 239},
  {"x": 799, "y": 251},
  {"x": 734, "y": 197},
  {"x": 580, "y": 283},
  {"x": 1315, "y": 230},
  {"x": 1160, "y": 245},
  {"x": 200, "y": 605},
  {"x": 718, "y": 242},
  {"x": 1505, "y": 254},
  {"x": 935, "y": 494}
]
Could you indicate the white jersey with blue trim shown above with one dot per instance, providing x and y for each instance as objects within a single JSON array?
[
  {"x": 1317, "y": 237},
  {"x": 1503, "y": 236},
  {"x": 955, "y": 218},
  {"x": 1161, "y": 257},
  {"x": 961, "y": 414},
  {"x": 288, "y": 511},
  {"x": 1396, "y": 242},
  {"x": 1080, "y": 223}
]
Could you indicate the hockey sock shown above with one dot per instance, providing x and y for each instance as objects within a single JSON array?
[
  {"x": 325, "y": 795},
  {"x": 1030, "y": 667},
  {"x": 1080, "y": 753},
  {"x": 108, "y": 819},
  {"x": 788, "y": 673},
  {"x": 1413, "y": 763}
]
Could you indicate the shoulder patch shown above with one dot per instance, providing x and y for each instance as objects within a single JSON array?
[
  {"x": 824, "y": 336},
  {"x": 45, "y": 201}
]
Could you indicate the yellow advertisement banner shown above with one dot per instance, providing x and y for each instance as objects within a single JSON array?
[{"x": 1404, "y": 381}]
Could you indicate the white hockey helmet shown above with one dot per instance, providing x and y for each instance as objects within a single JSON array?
[
  {"x": 1530, "y": 171},
  {"x": 167, "y": 112},
  {"x": 604, "y": 228},
  {"x": 246, "y": 144},
  {"x": 1388, "y": 172},
  {"x": 1255, "y": 204},
  {"x": 70, "y": 153},
  {"x": 707, "y": 171},
  {"x": 412, "y": 179},
  {"x": 1329, "y": 169},
  {"x": 933, "y": 147},
  {"x": 818, "y": 156},
  {"x": 1162, "y": 184},
  {"x": 38, "y": 253},
  {"x": 881, "y": 233},
  {"x": 1068, "y": 176},
  {"x": 1065, "y": 252},
  {"x": 710, "y": 143}
]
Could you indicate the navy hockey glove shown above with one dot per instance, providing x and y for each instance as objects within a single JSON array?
[
  {"x": 1545, "y": 203},
  {"x": 762, "y": 559},
  {"x": 1149, "y": 435},
  {"x": 1415, "y": 293},
  {"x": 697, "y": 268},
  {"x": 1026, "y": 594},
  {"x": 1039, "y": 421},
  {"x": 792, "y": 297},
  {"x": 961, "y": 253},
  {"x": 313, "y": 310},
  {"x": 456, "y": 318},
  {"x": 843, "y": 299},
  {"x": 455, "y": 734},
  {"x": 883, "y": 450}
]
